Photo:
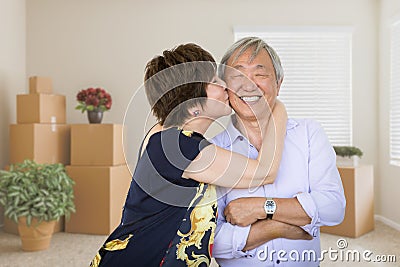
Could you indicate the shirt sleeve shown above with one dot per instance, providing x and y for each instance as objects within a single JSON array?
[
  {"x": 229, "y": 239},
  {"x": 325, "y": 202},
  {"x": 171, "y": 151}
]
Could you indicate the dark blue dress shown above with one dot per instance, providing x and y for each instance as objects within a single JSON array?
[{"x": 167, "y": 220}]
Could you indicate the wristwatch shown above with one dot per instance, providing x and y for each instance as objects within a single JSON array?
[{"x": 269, "y": 207}]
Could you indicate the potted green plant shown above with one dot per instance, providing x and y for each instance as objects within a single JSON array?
[
  {"x": 347, "y": 155},
  {"x": 35, "y": 196}
]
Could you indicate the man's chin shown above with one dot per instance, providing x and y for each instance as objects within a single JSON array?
[{"x": 246, "y": 116}]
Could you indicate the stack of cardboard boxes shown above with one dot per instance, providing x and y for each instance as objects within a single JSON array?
[
  {"x": 101, "y": 177},
  {"x": 94, "y": 153},
  {"x": 40, "y": 133}
]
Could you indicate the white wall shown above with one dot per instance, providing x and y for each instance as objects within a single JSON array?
[
  {"x": 12, "y": 68},
  {"x": 389, "y": 175}
]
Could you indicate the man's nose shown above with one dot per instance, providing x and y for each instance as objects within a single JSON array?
[{"x": 248, "y": 84}]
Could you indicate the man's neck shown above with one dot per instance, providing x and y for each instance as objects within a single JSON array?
[{"x": 250, "y": 129}]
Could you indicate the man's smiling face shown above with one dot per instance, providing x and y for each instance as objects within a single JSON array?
[{"x": 251, "y": 83}]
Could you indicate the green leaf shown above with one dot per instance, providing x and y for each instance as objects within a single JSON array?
[
  {"x": 28, "y": 219},
  {"x": 44, "y": 192},
  {"x": 14, "y": 217},
  {"x": 8, "y": 210},
  {"x": 38, "y": 205},
  {"x": 348, "y": 151},
  {"x": 35, "y": 213},
  {"x": 16, "y": 201}
]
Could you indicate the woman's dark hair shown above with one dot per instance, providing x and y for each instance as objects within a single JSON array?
[{"x": 177, "y": 81}]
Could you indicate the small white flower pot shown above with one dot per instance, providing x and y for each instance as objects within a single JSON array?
[{"x": 346, "y": 161}]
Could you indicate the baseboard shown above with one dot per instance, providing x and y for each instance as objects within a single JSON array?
[{"x": 387, "y": 222}]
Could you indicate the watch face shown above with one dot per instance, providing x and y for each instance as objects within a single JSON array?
[{"x": 270, "y": 206}]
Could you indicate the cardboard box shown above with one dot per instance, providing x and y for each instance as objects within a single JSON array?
[
  {"x": 358, "y": 183},
  {"x": 11, "y": 227},
  {"x": 39, "y": 84},
  {"x": 41, "y": 108},
  {"x": 96, "y": 145},
  {"x": 100, "y": 194},
  {"x": 43, "y": 143}
]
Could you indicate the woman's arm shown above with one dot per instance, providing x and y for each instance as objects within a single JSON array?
[{"x": 218, "y": 166}]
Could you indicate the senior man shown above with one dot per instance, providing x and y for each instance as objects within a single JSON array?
[{"x": 276, "y": 224}]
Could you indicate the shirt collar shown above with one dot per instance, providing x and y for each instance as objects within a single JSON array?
[
  {"x": 291, "y": 124},
  {"x": 234, "y": 133}
]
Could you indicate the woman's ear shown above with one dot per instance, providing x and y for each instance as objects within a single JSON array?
[{"x": 195, "y": 111}]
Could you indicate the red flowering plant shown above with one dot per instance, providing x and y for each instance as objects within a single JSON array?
[{"x": 93, "y": 99}]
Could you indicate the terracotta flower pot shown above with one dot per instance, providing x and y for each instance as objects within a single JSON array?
[{"x": 36, "y": 236}]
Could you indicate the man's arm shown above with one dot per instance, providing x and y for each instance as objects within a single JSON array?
[
  {"x": 323, "y": 204},
  {"x": 245, "y": 211},
  {"x": 266, "y": 230},
  {"x": 229, "y": 239},
  {"x": 233, "y": 241},
  {"x": 325, "y": 201}
]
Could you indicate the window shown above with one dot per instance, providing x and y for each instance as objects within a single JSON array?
[
  {"x": 317, "y": 81},
  {"x": 395, "y": 94}
]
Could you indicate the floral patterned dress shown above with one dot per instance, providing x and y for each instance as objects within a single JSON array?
[{"x": 167, "y": 220}]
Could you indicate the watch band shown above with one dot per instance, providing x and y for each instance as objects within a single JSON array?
[{"x": 269, "y": 216}]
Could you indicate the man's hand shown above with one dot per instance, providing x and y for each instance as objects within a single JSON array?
[{"x": 245, "y": 211}]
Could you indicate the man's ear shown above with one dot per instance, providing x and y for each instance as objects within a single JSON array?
[{"x": 279, "y": 86}]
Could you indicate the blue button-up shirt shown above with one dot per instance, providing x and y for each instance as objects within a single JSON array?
[{"x": 307, "y": 171}]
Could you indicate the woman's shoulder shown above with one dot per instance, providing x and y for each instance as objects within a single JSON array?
[
  {"x": 170, "y": 151},
  {"x": 176, "y": 145},
  {"x": 175, "y": 136},
  {"x": 158, "y": 137}
]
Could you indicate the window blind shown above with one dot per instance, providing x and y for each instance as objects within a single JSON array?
[
  {"x": 317, "y": 80},
  {"x": 395, "y": 94}
]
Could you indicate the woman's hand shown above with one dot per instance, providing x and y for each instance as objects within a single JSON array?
[{"x": 245, "y": 211}]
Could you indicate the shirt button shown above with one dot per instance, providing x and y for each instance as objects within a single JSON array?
[{"x": 241, "y": 138}]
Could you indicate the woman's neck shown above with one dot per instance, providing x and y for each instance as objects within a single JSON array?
[{"x": 199, "y": 125}]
